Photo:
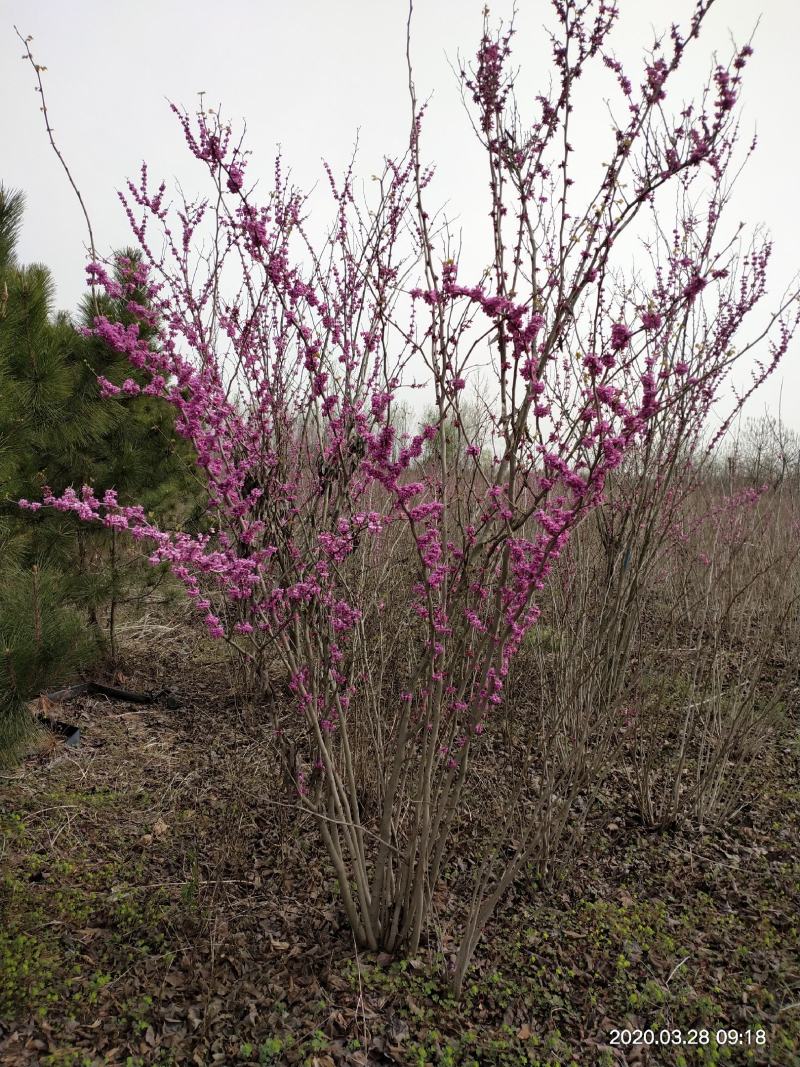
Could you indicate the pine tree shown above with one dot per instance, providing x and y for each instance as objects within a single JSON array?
[
  {"x": 39, "y": 631},
  {"x": 57, "y": 576}
]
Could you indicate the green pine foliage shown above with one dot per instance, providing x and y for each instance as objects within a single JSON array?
[
  {"x": 57, "y": 431},
  {"x": 43, "y": 640}
]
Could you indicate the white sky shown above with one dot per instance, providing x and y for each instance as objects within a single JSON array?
[{"x": 310, "y": 74}]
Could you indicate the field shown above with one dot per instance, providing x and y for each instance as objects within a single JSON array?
[{"x": 163, "y": 902}]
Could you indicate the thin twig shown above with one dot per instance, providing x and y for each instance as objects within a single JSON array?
[
  {"x": 675, "y": 969},
  {"x": 38, "y": 69}
]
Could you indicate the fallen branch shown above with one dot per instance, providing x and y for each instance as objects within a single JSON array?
[{"x": 163, "y": 696}]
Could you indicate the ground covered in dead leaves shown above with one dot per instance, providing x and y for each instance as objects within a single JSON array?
[{"x": 159, "y": 905}]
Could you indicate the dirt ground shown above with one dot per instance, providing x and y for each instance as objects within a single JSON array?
[{"x": 162, "y": 903}]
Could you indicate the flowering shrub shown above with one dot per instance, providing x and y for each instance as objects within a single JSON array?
[{"x": 394, "y": 581}]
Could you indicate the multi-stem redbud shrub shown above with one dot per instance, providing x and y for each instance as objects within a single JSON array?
[{"x": 336, "y": 543}]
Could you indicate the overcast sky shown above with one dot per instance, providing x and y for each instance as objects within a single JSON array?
[{"x": 312, "y": 74}]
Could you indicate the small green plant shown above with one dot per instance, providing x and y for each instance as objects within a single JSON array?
[
  {"x": 97, "y": 983},
  {"x": 271, "y": 1049},
  {"x": 26, "y": 976}
]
